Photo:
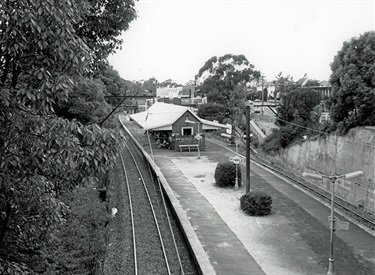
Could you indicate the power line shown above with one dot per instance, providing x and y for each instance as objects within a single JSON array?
[{"x": 326, "y": 134}]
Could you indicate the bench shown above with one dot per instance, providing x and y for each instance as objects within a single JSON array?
[{"x": 188, "y": 146}]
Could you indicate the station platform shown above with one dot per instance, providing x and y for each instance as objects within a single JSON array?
[
  {"x": 216, "y": 249},
  {"x": 293, "y": 240}
]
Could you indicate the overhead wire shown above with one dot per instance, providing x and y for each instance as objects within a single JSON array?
[{"x": 366, "y": 145}]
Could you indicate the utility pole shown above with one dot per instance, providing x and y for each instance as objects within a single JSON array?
[
  {"x": 262, "y": 95},
  {"x": 154, "y": 81},
  {"x": 247, "y": 148},
  {"x": 233, "y": 133}
]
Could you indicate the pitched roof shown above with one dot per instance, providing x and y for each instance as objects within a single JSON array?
[{"x": 161, "y": 116}]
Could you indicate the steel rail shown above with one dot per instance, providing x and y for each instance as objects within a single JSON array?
[
  {"x": 131, "y": 216},
  {"x": 165, "y": 209},
  {"x": 315, "y": 191},
  {"x": 152, "y": 210},
  {"x": 170, "y": 227}
]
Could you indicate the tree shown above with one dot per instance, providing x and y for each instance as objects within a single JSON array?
[
  {"x": 191, "y": 83},
  {"x": 43, "y": 57},
  {"x": 168, "y": 83},
  {"x": 212, "y": 111},
  {"x": 100, "y": 25},
  {"x": 225, "y": 80},
  {"x": 142, "y": 87},
  {"x": 298, "y": 104},
  {"x": 298, "y": 115},
  {"x": 114, "y": 84},
  {"x": 221, "y": 74},
  {"x": 353, "y": 83},
  {"x": 283, "y": 85},
  {"x": 86, "y": 102},
  {"x": 312, "y": 83}
]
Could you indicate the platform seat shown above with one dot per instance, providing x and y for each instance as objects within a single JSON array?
[{"x": 189, "y": 147}]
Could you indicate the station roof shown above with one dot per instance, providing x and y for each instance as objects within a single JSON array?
[{"x": 161, "y": 116}]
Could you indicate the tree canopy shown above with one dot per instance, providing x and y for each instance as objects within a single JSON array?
[
  {"x": 298, "y": 105},
  {"x": 219, "y": 76},
  {"x": 49, "y": 51},
  {"x": 353, "y": 83},
  {"x": 212, "y": 112}
]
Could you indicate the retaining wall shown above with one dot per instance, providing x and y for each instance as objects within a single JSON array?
[{"x": 336, "y": 155}]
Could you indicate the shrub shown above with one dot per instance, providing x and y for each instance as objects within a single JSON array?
[
  {"x": 80, "y": 245},
  {"x": 256, "y": 203},
  {"x": 225, "y": 174}
]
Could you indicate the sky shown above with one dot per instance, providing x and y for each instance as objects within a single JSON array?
[{"x": 173, "y": 39}]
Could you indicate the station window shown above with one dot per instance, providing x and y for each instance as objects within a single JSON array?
[{"x": 187, "y": 131}]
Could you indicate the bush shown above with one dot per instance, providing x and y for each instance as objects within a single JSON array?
[
  {"x": 80, "y": 245},
  {"x": 256, "y": 203},
  {"x": 225, "y": 174},
  {"x": 281, "y": 138}
]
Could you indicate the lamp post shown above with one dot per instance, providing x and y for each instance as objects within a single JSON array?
[
  {"x": 236, "y": 160},
  {"x": 333, "y": 179}
]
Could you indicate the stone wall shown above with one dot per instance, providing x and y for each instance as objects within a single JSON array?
[{"x": 336, "y": 155}]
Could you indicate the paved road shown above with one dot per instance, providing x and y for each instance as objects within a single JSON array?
[{"x": 300, "y": 234}]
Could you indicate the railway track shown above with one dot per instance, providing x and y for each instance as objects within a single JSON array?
[
  {"x": 325, "y": 196},
  {"x": 154, "y": 249},
  {"x": 349, "y": 210}
]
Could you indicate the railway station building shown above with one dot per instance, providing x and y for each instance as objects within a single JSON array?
[{"x": 175, "y": 127}]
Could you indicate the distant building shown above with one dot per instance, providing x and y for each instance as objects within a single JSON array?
[
  {"x": 302, "y": 81},
  {"x": 270, "y": 86},
  {"x": 324, "y": 90},
  {"x": 180, "y": 92},
  {"x": 184, "y": 96}
]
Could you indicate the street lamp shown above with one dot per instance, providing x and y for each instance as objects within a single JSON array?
[{"x": 332, "y": 219}]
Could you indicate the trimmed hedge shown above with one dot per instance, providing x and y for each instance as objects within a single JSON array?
[
  {"x": 225, "y": 174},
  {"x": 256, "y": 203}
]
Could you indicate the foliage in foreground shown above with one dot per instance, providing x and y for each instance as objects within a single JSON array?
[
  {"x": 80, "y": 243},
  {"x": 256, "y": 203},
  {"x": 47, "y": 48},
  {"x": 225, "y": 174}
]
